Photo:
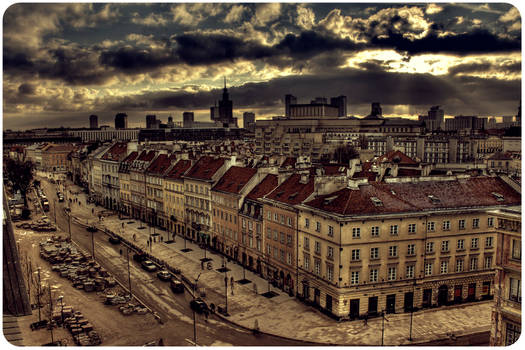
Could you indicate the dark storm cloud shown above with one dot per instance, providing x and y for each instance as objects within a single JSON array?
[
  {"x": 485, "y": 67},
  {"x": 133, "y": 59},
  {"x": 478, "y": 41},
  {"x": 26, "y": 89},
  {"x": 361, "y": 88}
]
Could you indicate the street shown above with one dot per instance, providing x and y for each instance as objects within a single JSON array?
[{"x": 173, "y": 309}]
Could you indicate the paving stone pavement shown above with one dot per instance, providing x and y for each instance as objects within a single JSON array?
[{"x": 284, "y": 315}]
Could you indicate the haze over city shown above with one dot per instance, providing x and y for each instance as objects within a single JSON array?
[{"x": 63, "y": 62}]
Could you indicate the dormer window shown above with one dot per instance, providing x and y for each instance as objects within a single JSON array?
[
  {"x": 329, "y": 200},
  {"x": 293, "y": 195},
  {"x": 434, "y": 199},
  {"x": 499, "y": 197},
  {"x": 377, "y": 202}
]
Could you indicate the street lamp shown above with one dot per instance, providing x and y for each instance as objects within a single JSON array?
[
  {"x": 412, "y": 309},
  {"x": 129, "y": 274},
  {"x": 194, "y": 319},
  {"x": 383, "y": 327},
  {"x": 61, "y": 299},
  {"x": 92, "y": 229},
  {"x": 68, "y": 210}
]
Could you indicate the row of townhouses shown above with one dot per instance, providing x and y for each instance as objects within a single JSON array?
[{"x": 352, "y": 239}]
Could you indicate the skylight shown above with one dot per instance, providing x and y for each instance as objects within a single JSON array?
[
  {"x": 434, "y": 199},
  {"x": 377, "y": 202},
  {"x": 499, "y": 197}
]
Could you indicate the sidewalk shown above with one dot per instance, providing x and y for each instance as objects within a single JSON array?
[{"x": 283, "y": 315}]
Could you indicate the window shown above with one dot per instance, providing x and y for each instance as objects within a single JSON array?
[
  {"x": 290, "y": 222},
  {"x": 374, "y": 253},
  {"x": 474, "y": 243},
  {"x": 461, "y": 224},
  {"x": 512, "y": 333},
  {"x": 318, "y": 247},
  {"x": 393, "y": 230},
  {"x": 516, "y": 249},
  {"x": 282, "y": 254},
  {"x": 269, "y": 233},
  {"x": 282, "y": 219},
  {"x": 410, "y": 271},
  {"x": 307, "y": 262},
  {"x": 288, "y": 258},
  {"x": 289, "y": 239},
  {"x": 488, "y": 262},
  {"x": 430, "y": 247},
  {"x": 461, "y": 244},
  {"x": 431, "y": 226},
  {"x": 490, "y": 222},
  {"x": 330, "y": 231},
  {"x": 356, "y": 232},
  {"x": 275, "y": 217},
  {"x": 243, "y": 223},
  {"x": 446, "y": 225},
  {"x": 411, "y": 249},
  {"x": 392, "y": 251},
  {"x": 375, "y": 231},
  {"x": 318, "y": 226},
  {"x": 444, "y": 246},
  {"x": 307, "y": 223},
  {"x": 356, "y": 254},
  {"x": 473, "y": 264},
  {"x": 392, "y": 271},
  {"x": 444, "y": 267},
  {"x": 459, "y": 265},
  {"x": 475, "y": 223},
  {"x": 330, "y": 272},
  {"x": 488, "y": 242},
  {"x": 515, "y": 290},
  {"x": 275, "y": 235},
  {"x": 330, "y": 253},
  {"x": 354, "y": 277},
  {"x": 411, "y": 228},
  {"x": 317, "y": 266},
  {"x": 373, "y": 275},
  {"x": 269, "y": 215},
  {"x": 306, "y": 243},
  {"x": 282, "y": 237},
  {"x": 428, "y": 269}
]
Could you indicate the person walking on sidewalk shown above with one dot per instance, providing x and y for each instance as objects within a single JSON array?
[{"x": 231, "y": 283}]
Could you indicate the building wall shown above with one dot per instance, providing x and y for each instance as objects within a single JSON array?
[
  {"x": 226, "y": 227},
  {"x": 350, "y": 237}
]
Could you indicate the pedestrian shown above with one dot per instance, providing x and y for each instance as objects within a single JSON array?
[
  {"x": 134, "y": 237},
  {"x": 231, "y": 283},
  {"x": 122, "y": 225},
  {"x": 161, "y": 238},
  {"x": 202, "y": 265},
  {"x": 255, "y": 289},
  {"x": 92, "y": 210},
  {"x": 120, "y": 251},
  {"x": 366, "y": 319}
]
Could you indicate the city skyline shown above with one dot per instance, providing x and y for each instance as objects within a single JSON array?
[{"x": 64, "y": 62}]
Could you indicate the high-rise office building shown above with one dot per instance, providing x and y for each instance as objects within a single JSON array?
[
  {"x": 288, "y": 101},
  {"x": 224, "y": 112},
  {"x": 249, "y": 121},
  {"x": 340, "y": 103},
  {"x": 318, "y": 107},
  {"x": 151, "y": 121},
  {"x": 187, "y": 119},
  {"x": 170, "y": 123},
  {"x": 121, "y": 121},
  {"x": 93, "y": 122}
]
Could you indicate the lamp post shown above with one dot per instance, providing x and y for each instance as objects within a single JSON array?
[
  {"x": 383, "y": 327},
  {"x": 51, "y": 314},
  {"x": 92, "y": 229},
  {"x": 226, "y": 287},
  {"x": 39, "y": 292},
  {"x": 55, "y": 209},
  {"x": 61, "y": 299},
  {"x": 68, "y": 210},
  {"x": 194, "y": 319},
  {"x": 412, "y": 309},
  {"x": 129, "y": 274}
]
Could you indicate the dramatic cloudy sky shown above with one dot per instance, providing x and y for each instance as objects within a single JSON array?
[{"x": 63, "y": 62}]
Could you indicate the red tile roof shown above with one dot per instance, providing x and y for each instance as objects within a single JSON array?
[
  {"x": 292, "y": 191},
  {"x": 420, "y": 196},
  {"x": 205, "y": 168},
  {"x": 179, "y": 169},
  {"x": 234, "y": 180},
  {"x": 289, "y": 161},
  {"x": 116, "y": 151},
  {"x": 147, "y": 156},
  {"x": 397, "y": 157},
  {"x": 131, "y": 157},
  {"x": 264, "y": 187},
  {"x": 159, "y": 165}
]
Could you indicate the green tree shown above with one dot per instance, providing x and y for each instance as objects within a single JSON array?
[
  {"x": 19, "y": 174},
  {"x": 343, "y": 154}
]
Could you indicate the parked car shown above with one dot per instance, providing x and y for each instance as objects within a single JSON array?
[
  {"x": 114, "y": 239},
  {"x": 164, "y": 275},
  {"x": 198, "y": 305},
  {"x": 176, "y": 286},
  {"x": 149, "y": 266},
  {"x": 60, "y": 197}
]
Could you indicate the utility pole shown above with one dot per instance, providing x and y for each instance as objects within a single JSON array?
[{"x": 38, "y": 294}]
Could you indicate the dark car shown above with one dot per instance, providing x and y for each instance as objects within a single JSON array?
[
  {"x": 149, "y": 266},
  {"x": 176, "y": 286},
  {"x": 198, "y": 305},
  {"x": 139, "y": 257},
  {"x": 164, "y": 275},
  {"x": 60, "y": 197},
  {"x": 114, "y": 239}
]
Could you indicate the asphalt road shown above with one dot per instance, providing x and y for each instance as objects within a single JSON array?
[{"x": 173, "y": 309}]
